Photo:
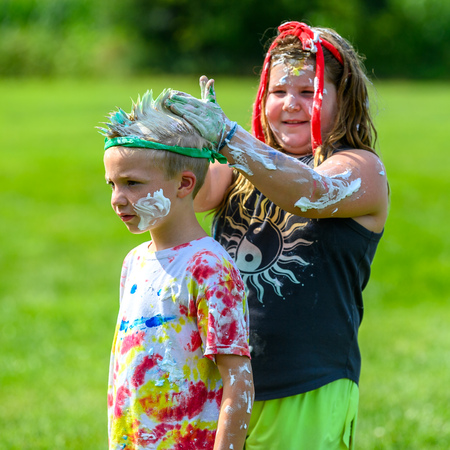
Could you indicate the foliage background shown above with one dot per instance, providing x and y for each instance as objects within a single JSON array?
[
  {"x": 401, "y": 38},
  {"x": 65, "y": 63}
]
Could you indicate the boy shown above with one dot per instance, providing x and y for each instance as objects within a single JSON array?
[{"x": 180, "y": 374}]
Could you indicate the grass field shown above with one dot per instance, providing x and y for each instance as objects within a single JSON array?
[{"x": 62, "y": 248}]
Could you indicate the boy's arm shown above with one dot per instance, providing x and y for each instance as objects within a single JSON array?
[{"x": 237, "y": 401}]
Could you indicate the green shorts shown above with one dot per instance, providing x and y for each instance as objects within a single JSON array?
[{"x": 323, "y": 419}]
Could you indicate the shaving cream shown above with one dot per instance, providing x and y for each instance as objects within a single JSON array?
[
  {"x": 339, "y": 189},
  {"x": 151, "y": 208},
  {"x": 245, "y": 140}
]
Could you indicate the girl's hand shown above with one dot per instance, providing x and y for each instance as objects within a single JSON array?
[
  {"x": 205, "y": 115},
  {"x": 208, "y": 93}
]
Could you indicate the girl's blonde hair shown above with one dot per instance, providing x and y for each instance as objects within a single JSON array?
[{"x": 353, "y": 126}]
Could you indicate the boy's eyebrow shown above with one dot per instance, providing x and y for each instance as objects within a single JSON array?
[{"x": 124, "y": 176}]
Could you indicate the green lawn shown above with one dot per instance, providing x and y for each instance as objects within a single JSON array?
[{"x": 62, "y": 248}]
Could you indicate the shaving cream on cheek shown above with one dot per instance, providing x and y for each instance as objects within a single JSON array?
[{"x": 151, "y": 208}]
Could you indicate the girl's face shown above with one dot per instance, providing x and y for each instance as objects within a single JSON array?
[
  {"x": 132, "y": 176},
  {"x": 289, "y": 106}
]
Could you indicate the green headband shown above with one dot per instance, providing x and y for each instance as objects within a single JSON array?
[{"x": 128, "y": 141}]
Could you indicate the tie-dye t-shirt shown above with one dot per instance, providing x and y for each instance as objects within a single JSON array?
[{"x": 178, "y": 308}]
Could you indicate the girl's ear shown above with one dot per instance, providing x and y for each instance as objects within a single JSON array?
[{"x": 187, "y": 183}]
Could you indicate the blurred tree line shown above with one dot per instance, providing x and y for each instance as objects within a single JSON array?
[{"x": 400, "y": 38}]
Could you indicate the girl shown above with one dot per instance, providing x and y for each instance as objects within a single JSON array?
[{"x": 301, "y": 211}]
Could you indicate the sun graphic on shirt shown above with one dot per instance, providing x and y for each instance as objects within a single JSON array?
[{"x": 279, "y": 262}]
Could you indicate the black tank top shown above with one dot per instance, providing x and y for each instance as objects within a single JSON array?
[{"x": 304, "y": 279}]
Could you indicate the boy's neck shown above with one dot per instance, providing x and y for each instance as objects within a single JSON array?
[{"x": 177, "y": 232}]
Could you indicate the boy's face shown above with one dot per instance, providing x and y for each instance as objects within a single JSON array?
[{"x": 132, "y": 177}]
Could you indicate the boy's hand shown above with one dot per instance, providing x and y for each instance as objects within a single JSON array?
[{"x": 205, "y": 114}]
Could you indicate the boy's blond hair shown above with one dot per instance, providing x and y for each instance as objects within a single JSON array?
[{"x": 150, "y": 120}]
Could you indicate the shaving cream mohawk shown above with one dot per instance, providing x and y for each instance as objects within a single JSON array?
[{"x": 151, "y": 120}]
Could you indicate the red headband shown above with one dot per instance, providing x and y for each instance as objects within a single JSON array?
[{"x": 310, "y": 42}]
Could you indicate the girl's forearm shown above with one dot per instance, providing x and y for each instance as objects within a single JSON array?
[
  {"x": 280, "y": 177},
  {"x": 291, "y": 184}
]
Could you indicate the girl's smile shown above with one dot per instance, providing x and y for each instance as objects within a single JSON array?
[{"x": 289, "y": 105}]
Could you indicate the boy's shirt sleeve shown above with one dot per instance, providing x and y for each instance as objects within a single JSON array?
[
  {"x": 222, "y": 312},
  {"x": 124, "y": 272}
]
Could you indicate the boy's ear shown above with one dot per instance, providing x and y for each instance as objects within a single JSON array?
[{"x": 187, "y": 183}]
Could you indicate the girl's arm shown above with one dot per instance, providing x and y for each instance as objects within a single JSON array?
[
  {"x": 237, "y": 401},
  {"x": 351, "y": 183},
  {"x": 217, "y": 181}
]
